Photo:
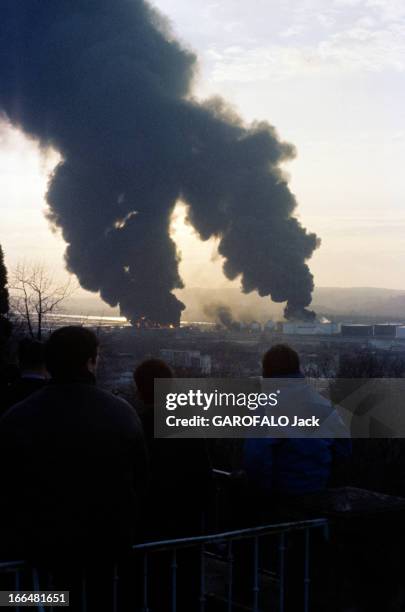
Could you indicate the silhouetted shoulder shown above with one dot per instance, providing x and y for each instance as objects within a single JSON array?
[
  {"x": 81, "y": 404},
  {"x": 23, "y": 407},
  {"x": 120, "y": 407}
]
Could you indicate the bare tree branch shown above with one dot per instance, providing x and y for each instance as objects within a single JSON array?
[{"x": 35, "y": 294}]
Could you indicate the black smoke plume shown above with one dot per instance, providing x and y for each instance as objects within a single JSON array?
[
  {"x": 106, "y": 84},
  {"x": 222, "y": 314}
]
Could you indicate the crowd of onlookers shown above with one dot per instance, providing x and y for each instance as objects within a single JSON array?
[{"x": 83, "y": 477}]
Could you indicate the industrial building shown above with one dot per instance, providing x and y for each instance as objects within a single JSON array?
[
  {"x": 379, "y": 331},
  {"x": 310, "y": 329},
  {"x": 357, "y": 330},
  {"x": 385, "y": 330}
]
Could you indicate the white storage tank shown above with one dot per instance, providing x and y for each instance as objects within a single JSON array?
[
  {"x": 306, "y": 329},
  {"x": 328, "y": 328},
  {"x": 400, "y": 332},
  {"x": 289, "y": 328},
  {"x": 255, "y": 326}
]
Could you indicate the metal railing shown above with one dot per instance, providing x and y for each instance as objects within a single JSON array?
[
  {"x": 218, "y": 546},
  {"x": 226, "y": 540}
]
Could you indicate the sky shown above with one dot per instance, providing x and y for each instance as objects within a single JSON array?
[{"x": 329, "y": 75}]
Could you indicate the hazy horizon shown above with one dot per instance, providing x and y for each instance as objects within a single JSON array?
[
  {"x": 327, "y": 75},
  {"x": 356, "y": 302}
]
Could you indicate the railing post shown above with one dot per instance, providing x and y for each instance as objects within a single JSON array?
[
  {"x": 17, "y": 585},
  {"x": 145, "y": 583},
  {"x": 174, "y": 580},
  {"x": 50, "y": 587},
  {"x": 256, "y": 574},
  {"x": 230, "y": 577},
  {"x": 306, "y": 572},
  {"x": 202, "y": 578},
  {"x": 281, "y": 561},
  {"x": 35, "y": 580}
]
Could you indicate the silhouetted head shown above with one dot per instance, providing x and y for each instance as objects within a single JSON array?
[
  {"x": 145, "y": 374},
  {"x": 31, "y": 356},
  {"x": 280, "y": 360},
  {"x": 71, "y": 352}
]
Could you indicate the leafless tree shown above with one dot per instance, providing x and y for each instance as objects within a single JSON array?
[{"x": 35, "y": 295}]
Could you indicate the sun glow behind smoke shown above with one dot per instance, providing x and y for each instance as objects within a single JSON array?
[
  {"x": 200, "y": 263},
  {"x": 25, "y": 170},
  {"x": 133, "y": 138}
]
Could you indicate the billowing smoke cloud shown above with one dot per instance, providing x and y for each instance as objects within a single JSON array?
[
  {"x": 105, "y": 84},
  {"x": 222, "y": 314}
]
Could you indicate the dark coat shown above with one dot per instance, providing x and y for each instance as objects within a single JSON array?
[
  {"x": 294, "y": 465},
  {"x": 72, "y": 472},
  {"x": 19, "y": 390},
  {"x": 181, "y": 486}
]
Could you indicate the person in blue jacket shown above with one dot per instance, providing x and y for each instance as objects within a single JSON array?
[{"x": 296, "y": 463}]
